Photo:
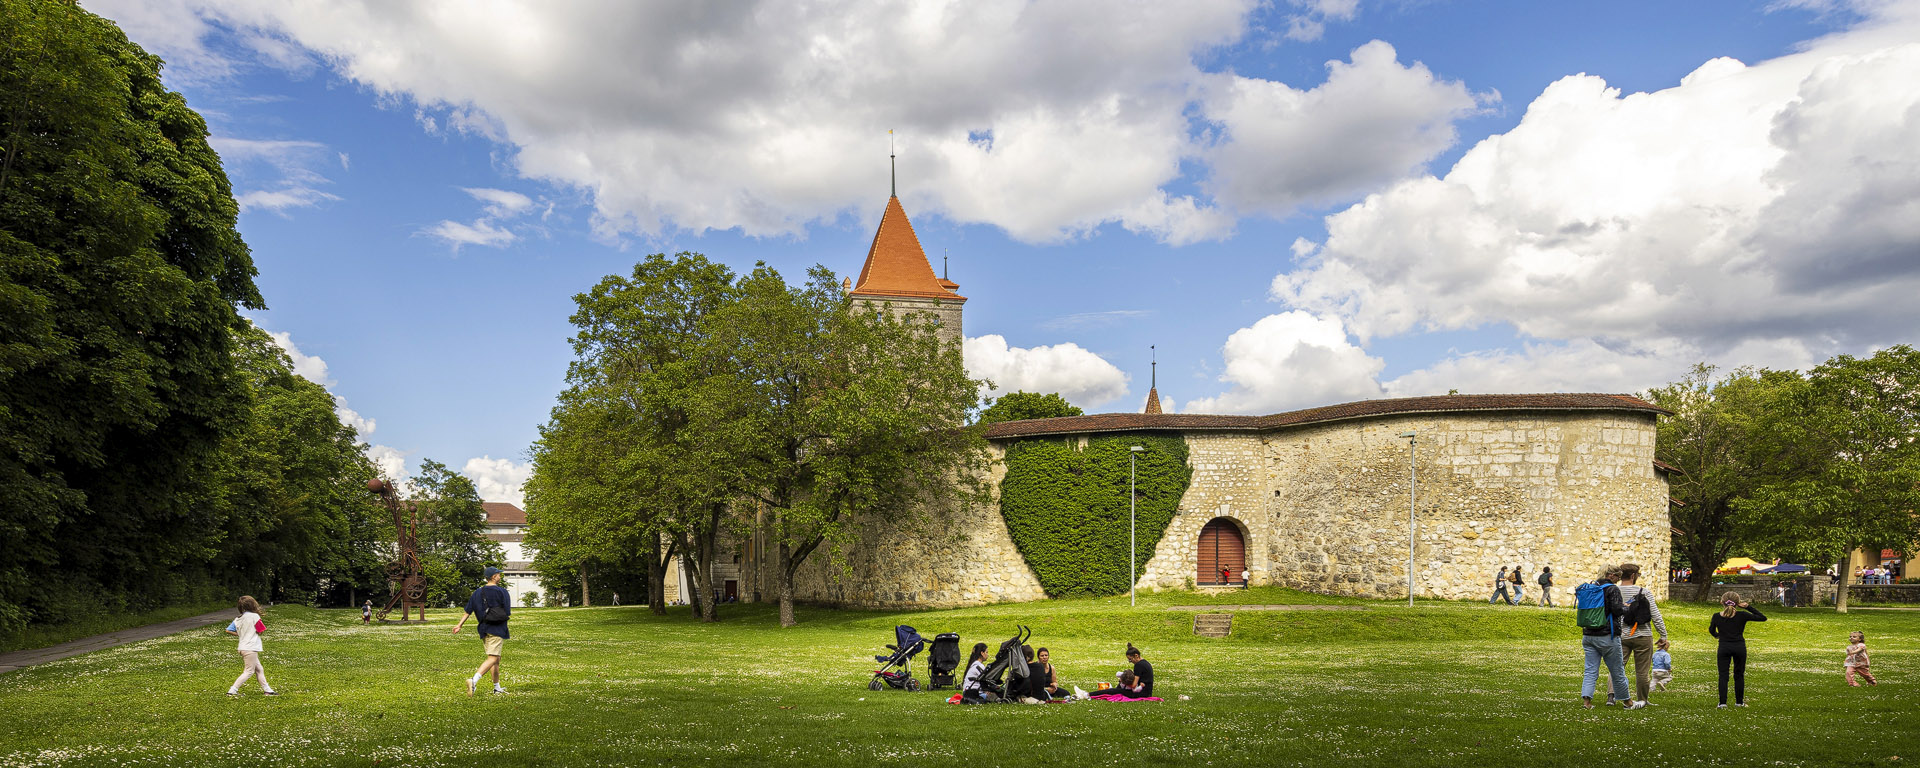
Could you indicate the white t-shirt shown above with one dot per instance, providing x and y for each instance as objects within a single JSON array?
[
  {"x": 249, "y": 626},
  {"x": 971, "y": 681}
]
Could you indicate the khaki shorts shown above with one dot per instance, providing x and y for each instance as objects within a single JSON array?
[{"x": 493, "y": 644}]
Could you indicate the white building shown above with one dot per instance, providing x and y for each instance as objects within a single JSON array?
[{"x": 507, "y": 526}]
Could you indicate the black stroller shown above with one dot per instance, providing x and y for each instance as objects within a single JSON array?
[
  {"x": 1010, "y": 657},
  {"x": 906, "y": 645},
  {"x": 942, "y": 660}
]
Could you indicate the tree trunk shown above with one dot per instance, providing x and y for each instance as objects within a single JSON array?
[
  {"x": 1701, "y": 577},
  {"x": 698, "y": 560},
  {"x": 1840, "y": 590},
  {"x": 657, "y": 576},
  {"x": 783, "y": 566}
]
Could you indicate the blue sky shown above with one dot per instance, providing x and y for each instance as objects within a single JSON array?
[{"x": 426, "y": 186}]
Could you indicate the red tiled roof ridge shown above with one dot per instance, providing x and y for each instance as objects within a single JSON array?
[
  {"x": 1121, "y": 422},
  {"x": 896, "y": 264}
]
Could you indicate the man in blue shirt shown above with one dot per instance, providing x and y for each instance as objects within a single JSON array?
[{"x": 490, "y": 598}]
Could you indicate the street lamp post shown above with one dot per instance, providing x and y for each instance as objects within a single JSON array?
[
  {"x": 1133, "y": 505},
  {"x": 1413, "y": 493}
]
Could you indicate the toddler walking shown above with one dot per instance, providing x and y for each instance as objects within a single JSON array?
[
  {"x": 1662, "y": 669},
  {"x": 249, "y": 628},
  {"x": 1857, "y": 659}
]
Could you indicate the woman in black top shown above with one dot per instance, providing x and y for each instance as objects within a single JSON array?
[
  {"x": 1731, "y": 627},
  {"x": 1142, "y": 673}
]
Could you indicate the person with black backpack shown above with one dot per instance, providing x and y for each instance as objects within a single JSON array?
[
  {"x": 493, "y": 604},
  {"x": 1546, "y": 586},
  {"x": 1598, "y": 611},
  {"x": 1642, "y": 620}
]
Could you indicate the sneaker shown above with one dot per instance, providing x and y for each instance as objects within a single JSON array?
[
  {"x": 273, "y": 693},
  {"x": 1740, "y": 704},
  {"x": 498, "y": 689},
  {"x": 1636, "y": 705},
  {"x": 1723, "y": 706},
  {"x": 470, "y": 683},
  {"x": 233, "y": 693}
]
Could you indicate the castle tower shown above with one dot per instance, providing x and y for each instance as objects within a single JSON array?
[{"x": 897, "y": 272}]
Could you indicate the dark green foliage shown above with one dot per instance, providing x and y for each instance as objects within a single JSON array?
[
  {"x": 1067, "y": 508},
  {"x": 453, "y": 553},
  {"x": 1019, "y": 406},
  {"x": 120, "y": 272}
]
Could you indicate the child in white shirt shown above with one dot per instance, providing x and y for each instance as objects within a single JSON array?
[
  {"x": 249, "y": 628},
  {"x": 1857, "y": 659}
]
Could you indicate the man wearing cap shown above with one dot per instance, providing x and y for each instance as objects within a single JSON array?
[{"x": 489, "y": 601}]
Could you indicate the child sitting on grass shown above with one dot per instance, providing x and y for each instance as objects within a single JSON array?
[
  {"x": 1857, "y": 659},
  {"x": 1662, "y": 669},
  {"x": 249, "y": 628}
]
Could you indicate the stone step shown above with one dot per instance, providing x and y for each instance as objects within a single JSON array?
[{"x": 1213, "y": 624}]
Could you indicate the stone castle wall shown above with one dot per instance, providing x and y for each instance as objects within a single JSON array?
[
  {"x": 1323, "y": 508},
  {"x": 946, "y": 312},
  {"x": 950, "y": 557}
]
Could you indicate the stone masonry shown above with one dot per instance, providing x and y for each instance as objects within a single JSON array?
[{"x": 1323, "y": 508}]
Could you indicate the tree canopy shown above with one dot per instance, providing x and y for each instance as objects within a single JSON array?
[{"x": 1017, "y": 406}]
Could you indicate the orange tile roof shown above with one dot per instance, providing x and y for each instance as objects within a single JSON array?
[
  {"x": 896, "y": 265},
  {"x": 1153, "y": 401}
]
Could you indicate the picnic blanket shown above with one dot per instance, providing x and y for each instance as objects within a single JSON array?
[{"x": 1101, "y": 696}]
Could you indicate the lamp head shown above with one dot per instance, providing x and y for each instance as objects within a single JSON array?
[
  {"x": 1136, "y": 449},
  {"x": 1405, "y": 434}
]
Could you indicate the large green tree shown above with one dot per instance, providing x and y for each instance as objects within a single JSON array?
[
  {"x": 848, "y": 415},
  {"x": 1726, "y": 436},
  {"x": 454, "y": 550},
  {"x": 120, "y": 274},
  {"x": 299, "y": 520},
  {"x": 1861, "y": 417},
  {"x": 620, "y": 465}
]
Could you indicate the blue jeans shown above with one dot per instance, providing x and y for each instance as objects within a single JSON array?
[
  {"x": 1606, "y": 648},
  {"x": 1517, "y": 597}
]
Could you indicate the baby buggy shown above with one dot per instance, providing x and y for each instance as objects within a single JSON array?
[
  {"x": 1008, "y": 659},
  {"x": 895, "y": 669},
  {"x": 942, "y": 660}
]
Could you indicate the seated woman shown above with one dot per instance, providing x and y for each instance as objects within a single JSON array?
[
  {"x": 976, "y": 666},
  {"x": 1044, "y": 661},
  {"x": 1142, "y": 672}
]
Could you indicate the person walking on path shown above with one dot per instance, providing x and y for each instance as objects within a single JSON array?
[
  {"x": 1857, "y": 659},
  {"x": 616, "y": 599},
  {"x": 1643, "y": 620},
  {"x": 1600, "y": 611},
  {"x": 1499, "y": 586},
  {"x": 1730, "y": 626},
  {"x": 1517, "y": 580},
  {"x": 493, "y": 606},
  {"x": 1546, "y": 586},
  {"x": 249, "y": 627}
]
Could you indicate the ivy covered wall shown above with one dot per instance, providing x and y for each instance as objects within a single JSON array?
[{"x": 1066, "y": 507}]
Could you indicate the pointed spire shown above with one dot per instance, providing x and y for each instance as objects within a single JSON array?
[
  {"x": 1153, "y": 389},
  {"x": 897, "y": 266},
  {"x": 893, "y": 174}
]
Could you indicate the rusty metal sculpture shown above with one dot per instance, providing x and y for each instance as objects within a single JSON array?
[{"x": 407, "y": 581}]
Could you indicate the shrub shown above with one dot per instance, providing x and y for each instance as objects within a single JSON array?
[{"x": 1067, "y": 508}]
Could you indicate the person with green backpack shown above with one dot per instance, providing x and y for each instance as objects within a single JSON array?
[{"x": 1599, "y": 611}]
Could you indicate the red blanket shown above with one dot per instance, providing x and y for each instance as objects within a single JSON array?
[{"x": 1119, "y": 697}]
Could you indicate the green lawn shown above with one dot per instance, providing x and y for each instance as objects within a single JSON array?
[{"x": 1439, "y": 684}]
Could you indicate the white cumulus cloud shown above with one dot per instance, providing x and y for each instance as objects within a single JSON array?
[
  {"x": 1765, "y": 214},
  {"x": 1048, "y": 120},
  {"x": 499, "y": 479},
  {"x": 1291, "y": 360},
  {"x": 1082, "y": 377}
]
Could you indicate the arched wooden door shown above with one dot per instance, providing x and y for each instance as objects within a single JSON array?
[{"x": 1221, "y": 547}]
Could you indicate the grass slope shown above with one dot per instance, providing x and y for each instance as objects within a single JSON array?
[
  {"x": 41, "y": 636},
  {"x": 1439, "y": 684}
]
